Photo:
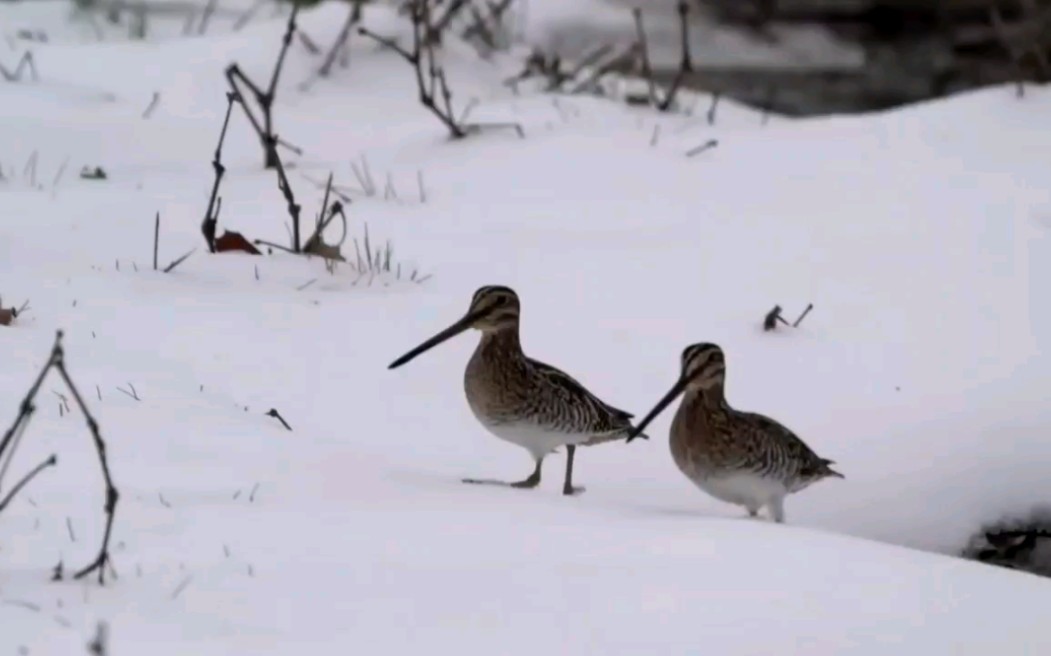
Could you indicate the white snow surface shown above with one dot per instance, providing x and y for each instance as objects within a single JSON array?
[{"x": 922, "y": 237}]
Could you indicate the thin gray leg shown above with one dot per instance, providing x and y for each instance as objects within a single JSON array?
[{"x": 567, "y": 486}]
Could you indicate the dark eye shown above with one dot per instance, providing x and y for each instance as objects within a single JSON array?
[{"x": 501, "y": 300}]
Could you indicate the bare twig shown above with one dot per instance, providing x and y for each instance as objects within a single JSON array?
[
  {"x": 264, "y": 98},
  {"x": 248, "y": 15},
  {"x": 26, "y": 63},
  {"x": 133, "y": 393},
  {"x": 211, "y": 215},
  {"x": 713, "y": 107},
  {"x": 624, "y": 57},
  {"x": 50, "y": 462},
  {"x": 697, "y": 150},
  {"x": 277, "y": 415},
  {"x": 685, "y": 63},
  {"x": 13, "y": 435},
  {"x": 156, "y": 238},
  {"x": 154, "y": 101},
  {"x": 809, "y": 307},
  {"x": 431, "y": 81},
  {"x": 206, "y": 16},
  {"x": 99, "y": 645},
  {"x": 341, "y": 40},
  {"x": 177, "y": 262},
  {"x": 182, "y": 586},
  {"x": 308, "y": 43}
]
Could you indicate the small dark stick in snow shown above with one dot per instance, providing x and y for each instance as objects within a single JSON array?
[
  {"x": 251, "y": 497},
  {"x": 809, "y": 307},
  {"x": 706, "y": 146},
  {"x": 182, "y": 586},
  {"x": 152, "y": 106},
  {"x": 99, "y": 645},
  {"x": 133, "y": 394},
  {"x": 772, "y": 317},
  {"x": 277, "y": 415},
  {"x": 713, "y": 107}
]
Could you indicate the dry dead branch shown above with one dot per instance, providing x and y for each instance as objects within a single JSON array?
[
  {"x": 211, "y": 215},
  {"x": 25, "y": 63},
  {"x": 666, "y": 102},
  {"x": 264, "y": 128},
  {"x": 11, "y": 439},
  {"x": 431, "y": 81}
]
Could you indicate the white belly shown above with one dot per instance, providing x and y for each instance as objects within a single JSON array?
[
  {"x": 534, "y": 439},
  {"x": 747, "y": 490}
]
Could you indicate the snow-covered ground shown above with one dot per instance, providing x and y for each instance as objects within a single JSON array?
[{"x": 922, "y": 236}]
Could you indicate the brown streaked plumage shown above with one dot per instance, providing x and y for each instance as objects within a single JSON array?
[
  {"x": 738, "y": 457},
  {"x": 521, "y": 400}
]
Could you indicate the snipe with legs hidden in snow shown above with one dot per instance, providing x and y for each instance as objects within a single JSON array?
[{"x": 738, "y": 457}]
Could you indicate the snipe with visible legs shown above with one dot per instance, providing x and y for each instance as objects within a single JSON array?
[
  {"x": 522, "y": 400},
  {"x": 738, "y": 457}
]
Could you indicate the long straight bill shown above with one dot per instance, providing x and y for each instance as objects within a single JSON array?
[
  {"x": 672, "y": 394},
  {"x": 450, "y": 332}
]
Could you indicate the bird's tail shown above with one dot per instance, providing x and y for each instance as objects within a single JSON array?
[{"x": 825, "y": 470}]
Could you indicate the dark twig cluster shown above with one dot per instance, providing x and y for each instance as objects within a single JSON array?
[
  {"x": 431, "y": 81},
  {"x": 655, "y": 98},
  {"x": 156, "y": 248},
  {"x": 11, "y": 439},
  {"x": 264, "y": 128},
  {"x": 773, "y": 317},
  {"x": 1015, "y": 543},
  {"x": 339, "y": 46},
  {"x": 24, "y": 64},
  {"x": 1027, "y": 45},
  {"x": 553, "y": 68}
]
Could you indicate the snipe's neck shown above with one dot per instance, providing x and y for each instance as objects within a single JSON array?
[{"x": 503, "y": 341}]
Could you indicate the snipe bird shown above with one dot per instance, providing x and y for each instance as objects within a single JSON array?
[
  {"x": 519, "y": 399},
  {"x": 738, "y": 457}
]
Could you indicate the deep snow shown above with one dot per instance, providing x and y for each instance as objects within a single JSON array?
[{"x": 922, "y": 237}]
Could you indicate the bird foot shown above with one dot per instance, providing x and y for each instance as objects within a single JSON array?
[
  {"x": 572, "y": 491},
  {"x": 495, "y": 482}
]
